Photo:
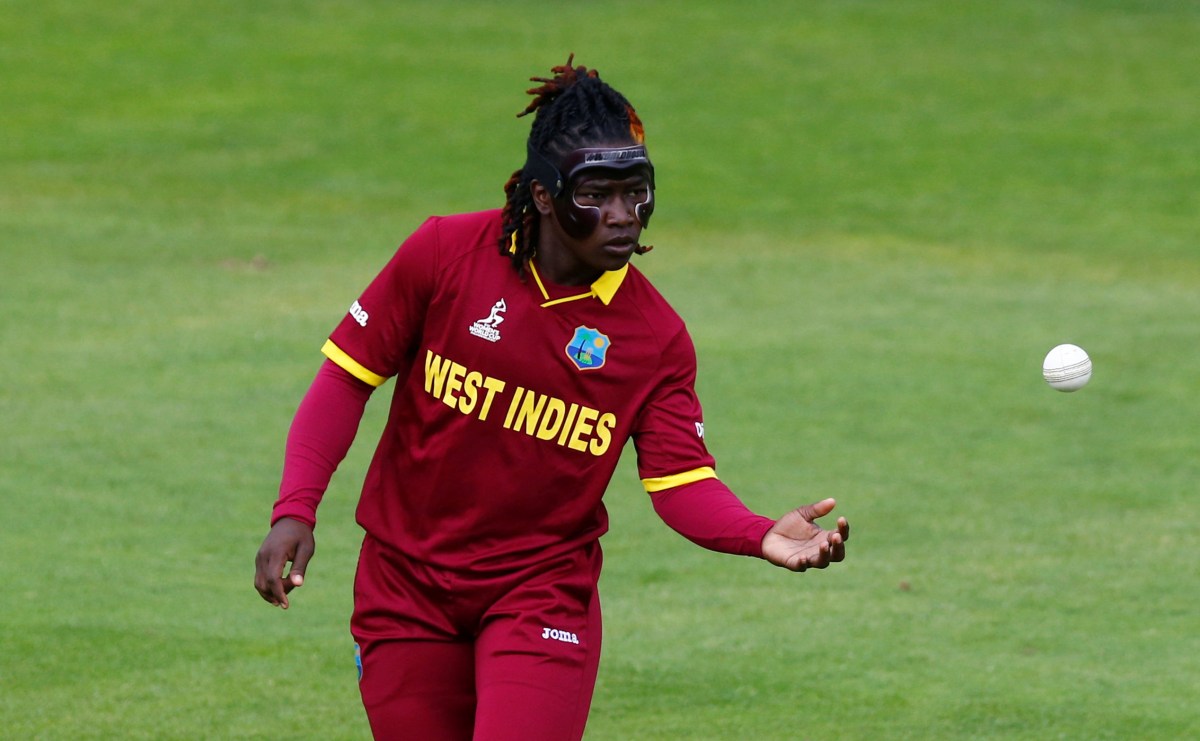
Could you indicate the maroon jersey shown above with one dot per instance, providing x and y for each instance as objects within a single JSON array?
[{"x": 514, "y": 398}]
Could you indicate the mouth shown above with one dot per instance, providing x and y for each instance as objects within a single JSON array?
[{"x": 622, "y": 246}]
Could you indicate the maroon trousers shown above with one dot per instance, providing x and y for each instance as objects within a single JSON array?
[{"x": 458, "y": 656}]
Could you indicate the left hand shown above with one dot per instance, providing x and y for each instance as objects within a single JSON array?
[{"x": 797, "y": 543}]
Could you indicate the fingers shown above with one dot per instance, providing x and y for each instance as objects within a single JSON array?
[
  {"x": 295, "y": 576},
  {"x": 813, "y": 511},
  {"x": 830, "y": 550},
  {"x": 837, "y": 540},
  {"x": 837, "y": 546},
  {"x": 818, "y": 560},
  {"x": 304, "y": 553},
  {"x": 267, "y": 567}
]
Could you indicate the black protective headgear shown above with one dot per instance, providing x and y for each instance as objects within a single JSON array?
[{"x": 577, "y": 220}]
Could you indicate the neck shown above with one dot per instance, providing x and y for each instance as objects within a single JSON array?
[
  {"x": 556, "y": 262},
  {"x": 560, "y": 269}
]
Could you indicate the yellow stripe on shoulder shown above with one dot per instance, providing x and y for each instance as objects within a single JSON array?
[
  {"x": 679, "y": 479},
  {"x": 350, "y": 365}
]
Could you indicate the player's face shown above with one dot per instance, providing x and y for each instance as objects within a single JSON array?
[{"x": 594, "y": 228}]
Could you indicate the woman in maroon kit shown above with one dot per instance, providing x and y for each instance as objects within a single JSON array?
[{"x": 526, "y": 351}]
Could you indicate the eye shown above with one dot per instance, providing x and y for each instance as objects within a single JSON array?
[{"x": 589, "y": 196}]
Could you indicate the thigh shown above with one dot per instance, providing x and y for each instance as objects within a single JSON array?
[
  {"x": 398, "y": 599},
  {"x": 419, "y": 690},
  {"x": 537, "y": 656},
  {"x": 418, "y": 673}
]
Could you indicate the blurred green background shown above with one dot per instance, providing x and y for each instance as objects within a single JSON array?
[{"x": 876, "y": 217}]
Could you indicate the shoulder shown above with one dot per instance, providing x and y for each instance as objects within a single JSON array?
[
  {"x": 640, "y": 294},
  {"x": 446, "y": 239},
  {"x": 462, "y": 230},
  {"x": 466, "y": 225},
  {"x": 663, "y": 328}
]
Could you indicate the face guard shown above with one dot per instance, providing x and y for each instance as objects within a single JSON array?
[{"x": 578, "y": 220}]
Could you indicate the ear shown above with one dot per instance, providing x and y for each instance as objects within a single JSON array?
[{"x": 542, "y": 200}]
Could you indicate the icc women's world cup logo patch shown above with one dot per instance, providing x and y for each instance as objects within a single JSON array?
[
  {"x": 588, "y": 348},
  {"x": 489, "y": 327}
]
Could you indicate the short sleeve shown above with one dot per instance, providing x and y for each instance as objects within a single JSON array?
[
  {"x": 382, "y": 328},
  {"x": 669, "y": 431}
]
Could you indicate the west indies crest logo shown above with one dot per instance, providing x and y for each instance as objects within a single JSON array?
[{"x": 588, "y": 348}]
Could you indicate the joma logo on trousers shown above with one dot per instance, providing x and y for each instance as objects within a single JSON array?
[{"x": 559, "y": 635}]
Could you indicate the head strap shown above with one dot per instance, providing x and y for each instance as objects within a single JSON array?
[{"x": 554, "y": 179}]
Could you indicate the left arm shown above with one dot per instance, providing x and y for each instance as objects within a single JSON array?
[
  {"x": 678, "y": 472},
  {"x": 707, "y": 513}
]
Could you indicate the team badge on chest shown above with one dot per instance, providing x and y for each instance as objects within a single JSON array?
[{"x": 588, "y": 348}]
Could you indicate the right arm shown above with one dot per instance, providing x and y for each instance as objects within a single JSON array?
[
  {"x": 319, "y": 438},
  {"x": 369, "y": 345}
]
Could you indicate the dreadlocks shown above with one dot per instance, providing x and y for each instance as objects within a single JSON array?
[{"x": 574, "y": 109}]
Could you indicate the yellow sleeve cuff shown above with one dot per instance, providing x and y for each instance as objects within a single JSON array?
[
  {"x": 350, "y": 365},
  {"x": 679, "y": 479}
]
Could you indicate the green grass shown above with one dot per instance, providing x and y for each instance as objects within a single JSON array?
[{"x": 876, "y": 218}]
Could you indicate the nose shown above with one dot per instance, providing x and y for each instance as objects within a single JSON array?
[{"x": 619, "y": 212}]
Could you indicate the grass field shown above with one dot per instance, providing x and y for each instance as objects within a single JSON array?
[{"x": 876, "y": 218}]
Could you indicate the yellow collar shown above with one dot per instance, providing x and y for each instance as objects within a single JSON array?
[
  {"x": 604, "y": 288},
  {"x": 607, "y": 284}
]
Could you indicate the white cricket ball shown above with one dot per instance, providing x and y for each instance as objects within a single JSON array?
[{"x": 1067, "y": 368}]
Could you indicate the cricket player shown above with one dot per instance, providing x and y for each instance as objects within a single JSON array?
[{"x": 526, "y": 350}]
